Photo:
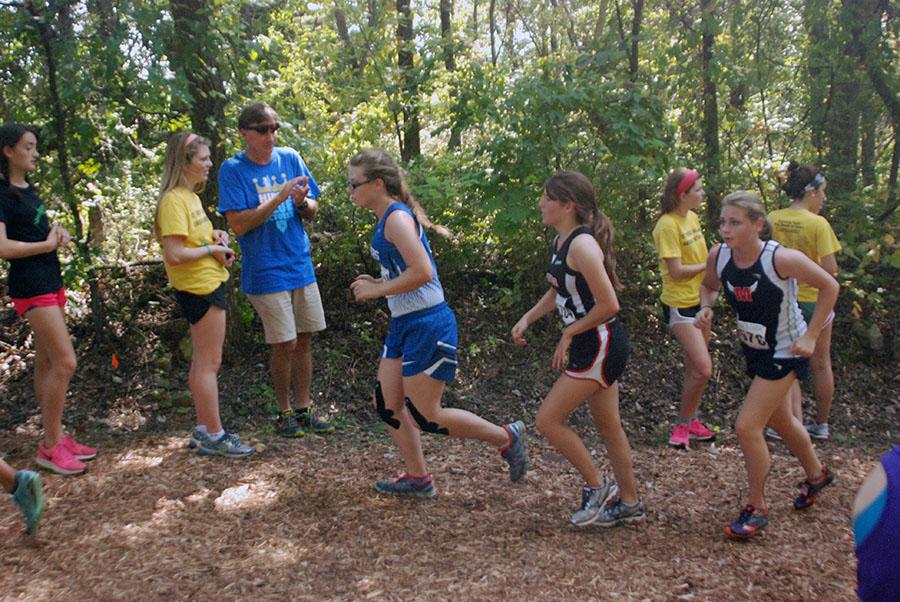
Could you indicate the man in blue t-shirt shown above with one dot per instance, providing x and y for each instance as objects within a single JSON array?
[{"x": 265, "y": 192}]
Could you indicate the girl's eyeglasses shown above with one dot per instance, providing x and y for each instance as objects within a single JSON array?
[{"x": 355, "y": 185}]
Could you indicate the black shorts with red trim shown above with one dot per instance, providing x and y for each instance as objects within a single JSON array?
[{"x": 599, "y": 354}]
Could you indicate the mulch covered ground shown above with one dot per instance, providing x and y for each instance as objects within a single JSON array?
[{"x": 299, "y": 520}]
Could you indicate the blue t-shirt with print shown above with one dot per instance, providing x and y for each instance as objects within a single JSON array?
[{"x": 275, "y": 255}]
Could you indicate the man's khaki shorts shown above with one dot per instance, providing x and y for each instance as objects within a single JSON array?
[{"x": 286, "y": 313}]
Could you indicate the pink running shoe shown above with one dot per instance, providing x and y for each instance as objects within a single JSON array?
[
  {"x": 699, "y": 432},
  {"x": 78, "y": 450},
  {"x": 59, "y": 459},
  {"x": 680, "y": 436}
]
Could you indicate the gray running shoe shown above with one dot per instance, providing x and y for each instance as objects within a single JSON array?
[
  {"x": 593, "y": 500},
  {"x": 228, "y": 445},
  {"x": 818, "y": 431},
  {"x": 620, "y": 513},
  {"x": 772, "y": 434},
  {"x": 29, "y": 497},
  {"x": 287, "y": 425},
  {"x": 516, "y": 455},
  {"x": 311, "y": 423},
  {"x": 407, "y": 485}
]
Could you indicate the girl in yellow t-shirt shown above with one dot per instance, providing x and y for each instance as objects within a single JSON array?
[
  {"x": 196, "y": 258},
  {"x": 801, "y": 227},
  {"x": 682, "y": 261}
]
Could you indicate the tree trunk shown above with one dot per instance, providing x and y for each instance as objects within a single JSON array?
[
  {"x": 492, "y": 23},
  {"x": 710, "y": 114},
  {"x": 196, "y": 57},
  {"x": 49, "y": 40},
  {"x": 819, "y": 72},
  {"x": 410, "y": 146},
  {"x": 868, "y": 132},
  {"x": 638, "y": 6}
]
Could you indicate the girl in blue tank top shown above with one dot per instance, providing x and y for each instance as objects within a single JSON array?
[
  {"x": 419, "y": 355},
  {"x": 592, "y": 350},
  {"x": 760, "y": 280}
]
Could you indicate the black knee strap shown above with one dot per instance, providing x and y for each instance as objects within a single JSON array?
[
  {"x": 424, "y": 424},
  {"x": 384, "y": 413}
]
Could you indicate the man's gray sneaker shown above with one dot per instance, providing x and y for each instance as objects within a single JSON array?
[
  {"x": 772, "y": 433},
  {"x": 311, "y": 423},
  {"x": 593, "y": 501},
  {"x": 287, "y": 425},
  {"x": 228, "y": 445},
  {"x": 818, "y": 431},
  {"x": 407, "y": 485},
  {"x": 620, "y": 513},
  {"x": 516, "y": 455}
]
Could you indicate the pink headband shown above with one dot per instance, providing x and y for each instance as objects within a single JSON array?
[
  {"x": 189, "y": 139},
  {"x": 687, "y": 181}
]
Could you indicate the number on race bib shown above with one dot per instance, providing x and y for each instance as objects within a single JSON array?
[{"x": 752, "y": 335}]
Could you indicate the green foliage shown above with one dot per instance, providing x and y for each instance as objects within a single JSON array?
[{"x": 556, "y": 92}]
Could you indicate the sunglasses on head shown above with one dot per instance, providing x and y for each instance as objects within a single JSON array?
[{"x": 263, "y": 128}]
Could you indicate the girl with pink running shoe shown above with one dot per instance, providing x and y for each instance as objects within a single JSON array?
[
  {"x": 682, "y": 261},
  {"x": 30, "y": 243}
]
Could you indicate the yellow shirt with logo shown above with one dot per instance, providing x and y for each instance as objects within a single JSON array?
[
  {"x": 807, "y": 232},
  {"x": 676, "y": 236},
  {"x": 181, "y": 214}
]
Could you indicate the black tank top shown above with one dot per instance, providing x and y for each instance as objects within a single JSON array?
[{"x": 573, "y": 296}]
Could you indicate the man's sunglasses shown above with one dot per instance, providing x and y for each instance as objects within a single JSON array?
[{"x": 263, "y": 129}]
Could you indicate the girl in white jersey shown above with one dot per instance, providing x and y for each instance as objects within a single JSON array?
[
  {"x": 760, "y": 278},
  {"x": 582, "y": 277},
  {"x": 419, "y": 356}
]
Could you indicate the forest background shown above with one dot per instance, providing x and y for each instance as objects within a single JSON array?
[{"x": 481, "y": 100}]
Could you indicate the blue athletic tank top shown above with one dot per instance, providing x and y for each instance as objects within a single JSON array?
[
  {"x": 769, "y": 319},
  {"x": 392, "y": 265},
  {"x": 573, "y": 296},
  {"x": 878, "y": 572}
]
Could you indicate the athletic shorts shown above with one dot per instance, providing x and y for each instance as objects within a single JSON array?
[
  {"x": 426, "y": 340},
  {"x": 599, "y": 354},
  {"x": 194, "y": 307},
  {"x": 57, "y": 299},
  {"x": 679, "y": 315},
  {"x": 767, "y": 367},
  {"x": 286, "y": 313}
]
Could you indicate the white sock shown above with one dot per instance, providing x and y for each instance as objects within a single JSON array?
[
  {"x": 202, "y": 429},
  {"x": 217, "y": 436}
]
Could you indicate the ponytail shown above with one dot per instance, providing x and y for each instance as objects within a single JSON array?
[
  {"x": 571, "y": 186},
  {"x": 377, "y": 164}
]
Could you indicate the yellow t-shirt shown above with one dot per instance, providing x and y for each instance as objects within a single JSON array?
[
  {"x": 807, "y": 232},
  {"x": 181, "y": 214},
  {"x": 676, "y": 236}
]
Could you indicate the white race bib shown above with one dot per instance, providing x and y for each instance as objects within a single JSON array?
[
  {"x": 564, "y": 312},
  {"x": 752, "y": 335}
]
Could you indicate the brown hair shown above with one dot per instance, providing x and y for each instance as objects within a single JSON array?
[
  {"x": 10, "y": 134},
  {"x": 798, "y": 178},
  {"x": 179, "y": 152},
  {"x": 570, "y": 186},
  {"x": 668, "y": 201},
  {"x": 256, "y": 113},
  {"x": 749, "y": 203},
  {"x": 378, "y": 165}
]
